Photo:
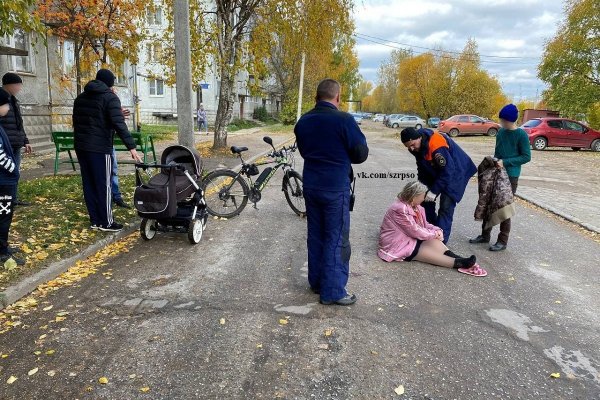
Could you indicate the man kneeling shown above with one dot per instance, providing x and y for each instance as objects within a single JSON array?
[{"x": 406, "y": 235}]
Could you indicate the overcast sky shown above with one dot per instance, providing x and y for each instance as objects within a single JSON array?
[{"x": 506, "y": 28}]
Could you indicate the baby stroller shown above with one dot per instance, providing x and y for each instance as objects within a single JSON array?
[{"x": 172, "y": 200}]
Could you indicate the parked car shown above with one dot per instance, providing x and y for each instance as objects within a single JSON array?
[
  {"x": 433, "y": 122},
  {"x": 389, "y": 122},
  {"x": 378, "y": 117},
  {"x": 468, "y": 124},
  {"x": 561, "y": 132},
  {"x": 408, "y": 121},
  {"x": 357, "y": 117}
]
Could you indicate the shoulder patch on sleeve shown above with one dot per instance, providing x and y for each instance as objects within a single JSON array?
[{"x": 439, "y": 160}]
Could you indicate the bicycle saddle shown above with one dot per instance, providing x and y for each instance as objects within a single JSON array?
[{"x": 238, "y": 150}]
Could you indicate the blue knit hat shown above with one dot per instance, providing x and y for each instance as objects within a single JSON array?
[{"x": 509, "y": 113}]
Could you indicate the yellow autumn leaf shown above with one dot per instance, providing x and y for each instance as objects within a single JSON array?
[
  {"x": 103, "y": 380},
  {"x": 48, "y": 308},
  {"x": 555, "y": 375},
  {"x": 283, "y": 321},
  {"x": 259, "y": 346},
  {"x": 11, "y": 380},
  {"x": 145, "y": 389},
  {"x": 222, "y": 321},
  {"x": 50, "y": 352},
  {"x": 26, "y": 249},
  {"x": 37, "y": 353},
  {"x": 10, "y": 264},
  {"x": 328, "y": 332},
  {"x": 42, "y": 255},
  {"x": 33, "y": 371},
  {"x": 399, "y": 390},
  {"x": 60, "y": 319}
]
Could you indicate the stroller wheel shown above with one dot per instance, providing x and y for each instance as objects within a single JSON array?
[
  {"x": 148, "y": 229},
  {"x": 195, "y": 230}
]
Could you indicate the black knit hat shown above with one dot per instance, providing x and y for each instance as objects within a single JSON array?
[
  {"x": 4, "y": 97},
  {"x": 106, "y": 76},
  {"x": 409, "y": 134},
  {"x": 10, "y": 78}
]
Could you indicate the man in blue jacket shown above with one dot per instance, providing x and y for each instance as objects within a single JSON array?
[
  {"x": 444, "y": 168},
  {"x": 9, "y": 176},
  {"x": 97, "y": 115},
  {"x": 330, "y": 141}
]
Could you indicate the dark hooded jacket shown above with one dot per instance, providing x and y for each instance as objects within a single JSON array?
[
  {"x": 13, "y": 124},
  {"x": 97, "y": 115},
  {"x": 496, "y": 200}
]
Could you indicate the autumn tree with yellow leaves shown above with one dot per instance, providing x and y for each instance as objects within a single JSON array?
[{"x": 104, "y": 32}]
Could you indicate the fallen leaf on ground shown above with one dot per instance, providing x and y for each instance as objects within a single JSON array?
[
  {"x": 50, "y": 352},
  {"x": 11, "y": 380},
  {"x": 557, "y": 302},
  {"x": 399, "y": 390},
  {"x": 145, "y": 389},
  {"x": 48, "y": 308},
  {"x": 10, "y": 264},
  {"x": 37, "y": 353},
  {"x": 328, "y": 332},
  {"x": 33, "y": 371},
  {"x": 555, "y": 375},
  {"x": 259, "y": 346},
  {"x": 103, "y": 380},
  {"x": 283, "y": 321},
  {"x": 222, "y": 321},
  {"x": 60, "y": 319},
  {"x": 51, "y": 373}
]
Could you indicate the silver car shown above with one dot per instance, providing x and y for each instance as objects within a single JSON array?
[{"x": 408, "y": 121}]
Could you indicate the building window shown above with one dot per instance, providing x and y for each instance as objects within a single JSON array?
[
  {"x": 20, "y": 40},
  {"x": 154, "y": 17},
  {"x": 154, "y": 52},
  {"x": 157, "y": 87},
  {"x": 67, "y": 55}
]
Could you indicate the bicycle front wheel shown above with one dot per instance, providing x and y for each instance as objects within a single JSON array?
[
  {"x": 294, "y": 192},
  {"x": 225, "y": 192}
]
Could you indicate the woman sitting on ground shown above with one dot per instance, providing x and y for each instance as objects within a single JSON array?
[{"x": 405, "y": 235}]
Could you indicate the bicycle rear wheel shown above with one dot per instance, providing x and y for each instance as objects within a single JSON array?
[
  {"x": 225, "y": 192},
  {"x": 294, "y": 192}
]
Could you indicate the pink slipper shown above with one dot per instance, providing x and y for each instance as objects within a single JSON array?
[{"x": 475, "y": 270}]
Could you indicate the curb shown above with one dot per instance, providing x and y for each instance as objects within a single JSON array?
[
  {"x": 561, "y": 214},
  {"x": 14, "y": 293}
]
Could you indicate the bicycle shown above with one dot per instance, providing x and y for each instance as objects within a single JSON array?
[{"x": 227, "y": 192}]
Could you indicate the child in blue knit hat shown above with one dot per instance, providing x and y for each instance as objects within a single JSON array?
[{"x": 512, "y": 151}]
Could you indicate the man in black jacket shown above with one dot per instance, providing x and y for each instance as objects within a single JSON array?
[
  {"x": 97, "y": 116},
  {"x": 12, "y": 123}
]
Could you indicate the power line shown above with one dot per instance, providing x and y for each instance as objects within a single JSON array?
[
  {"x": 445, "y": 51},
  {"x": 446, "y": 56}
]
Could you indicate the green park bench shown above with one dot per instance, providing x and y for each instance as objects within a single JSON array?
[{"x": 63, "y": 141}]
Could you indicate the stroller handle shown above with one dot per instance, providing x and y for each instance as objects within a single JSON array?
[{"x": 146, "y": 166}]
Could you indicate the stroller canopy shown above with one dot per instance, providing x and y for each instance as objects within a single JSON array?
[{"x": 185, "y": 156}]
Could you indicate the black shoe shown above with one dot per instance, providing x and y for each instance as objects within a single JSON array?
[
  {"x": 348, "y": 300},
  {"x": 114, "y": 227},
  {"x": 479, "y": 239},
  {"x": 498, "y": 247},
  {"x": 121, "y": 203},
  {"x": 22, "y": 203},
  {"x": 5, "y": 257}
]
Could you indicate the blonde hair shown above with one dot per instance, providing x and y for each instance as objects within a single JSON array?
[{"x": 411, "y": 190}]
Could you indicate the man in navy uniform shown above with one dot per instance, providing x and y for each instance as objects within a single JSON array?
[
  {"x": 330, "y": 141},
  {"x": 444, "y": 168}
]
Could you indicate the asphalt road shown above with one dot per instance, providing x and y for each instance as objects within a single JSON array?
[{"x": 233, "y": 317}]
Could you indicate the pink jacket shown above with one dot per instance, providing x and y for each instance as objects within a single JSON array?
[{"x": 400, "y": 230}]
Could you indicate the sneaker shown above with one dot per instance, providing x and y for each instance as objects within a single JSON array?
[
  {"x": 122, "y": 204},
  {"x": 5, "y": 257},
  {"x": 479, "y": 239},
  {"x": 94, "y": 227},
  {"x": 347, "y": 300},
  {"x": 114, "y": 227}
]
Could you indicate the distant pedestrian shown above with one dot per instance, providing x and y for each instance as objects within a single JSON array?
[
  {"x": 202, "y": 121},
  {"x": 511, "y": 152},
  {"x": 13, "y": 125},
  {"x": 9, "y": 176},
  {"x": 444, "y": 168},
  {"x": 97, "y": 115},
  {"x": 330, "y": 141},
  {"x": 405, "y": 235}
]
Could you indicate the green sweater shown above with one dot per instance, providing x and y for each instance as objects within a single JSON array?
[{"x": 512, "y": 147}]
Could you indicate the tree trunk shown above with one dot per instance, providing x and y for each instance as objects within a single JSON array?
[{"x": 225, "y": 109}]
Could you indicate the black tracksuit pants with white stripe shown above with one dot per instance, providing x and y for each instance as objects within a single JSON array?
[{"x": 96, "y": 180}]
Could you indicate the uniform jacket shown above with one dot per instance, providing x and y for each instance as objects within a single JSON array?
[
  {"x": 13, "y": 124},
  {"x": 97, "y": 115},
  {"x": 330, "y": 141},
  {"x": 496, "y": 200},
  {"x": 442, "y": 165},
  {"x": 400, "y": 229},
  {"x": 9, "y": 174}
]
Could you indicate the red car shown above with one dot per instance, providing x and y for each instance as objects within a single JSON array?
[
  {"x": 468, "y": 124},
  {"x": 561, "y": 132}
]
